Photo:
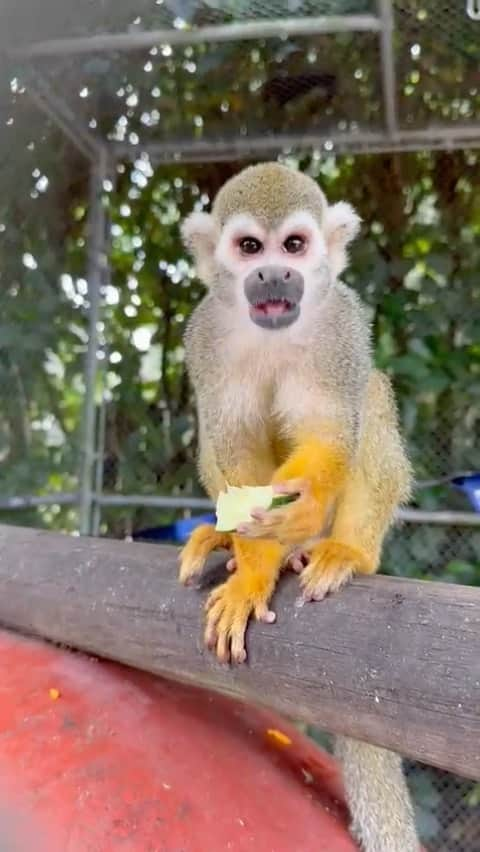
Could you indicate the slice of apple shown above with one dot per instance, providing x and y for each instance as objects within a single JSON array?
[{"x": 235, "y": 505}]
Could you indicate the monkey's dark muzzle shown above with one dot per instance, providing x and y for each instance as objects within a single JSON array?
[{"x": 274, "y": 294}]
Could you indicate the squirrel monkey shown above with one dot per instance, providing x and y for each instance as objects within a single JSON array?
[{"x": 279, "y": 355}]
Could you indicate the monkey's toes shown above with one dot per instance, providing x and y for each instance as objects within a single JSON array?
[
  {"x": 332, "y": 565},
  {"x": 189, "y": 568},
  {"x": 203, "y": 541},
  {"x": 228, "y": 609},
  {"x": 226, "y": 623},
  {"x": 297, "y": 560}
]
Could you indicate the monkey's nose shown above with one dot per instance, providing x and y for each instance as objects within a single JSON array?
[{"x": 273, "y": 275}]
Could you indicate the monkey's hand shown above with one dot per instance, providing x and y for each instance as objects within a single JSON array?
[
  {"x": 315, "y": 472},
  {"x": 331, "y": 565},
  {"x": 245, "y": 593},
  {"x": 297, "y": 521},
  {"x": 203, "y": 540}
]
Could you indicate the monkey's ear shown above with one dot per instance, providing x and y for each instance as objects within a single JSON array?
[
  {"x": 342, "y": 225},
  {"x": 200, "y": 237},
  {"x": 199, "y": 232}
]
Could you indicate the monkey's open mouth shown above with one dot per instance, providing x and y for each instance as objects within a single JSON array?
[
  {"x": 273, "y": 308},
  {"x": 274, "y": 313}
]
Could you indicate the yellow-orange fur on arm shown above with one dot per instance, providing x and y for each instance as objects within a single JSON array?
[{"x": 318, "y": 470}]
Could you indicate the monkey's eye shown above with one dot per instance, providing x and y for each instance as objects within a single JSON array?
[
  {"x": 250, "y": 245},
  {"x": 294, "y": 244}
]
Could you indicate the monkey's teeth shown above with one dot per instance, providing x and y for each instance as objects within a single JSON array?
[{"x": 274, "y": 307}]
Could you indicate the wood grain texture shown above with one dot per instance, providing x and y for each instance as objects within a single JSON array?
[{"x": 394, "y": 662}]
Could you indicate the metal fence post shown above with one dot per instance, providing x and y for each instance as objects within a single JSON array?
[
  {"x": 389, "y": 86},
  {"x": 96, "y": 263}
]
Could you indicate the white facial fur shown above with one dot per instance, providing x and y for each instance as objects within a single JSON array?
[
  {"x": 311, "y": 262},
  {"x": 322, "y": 259}
]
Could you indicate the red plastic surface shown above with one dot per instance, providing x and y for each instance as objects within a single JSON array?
[{"x": 123, "y": 762}]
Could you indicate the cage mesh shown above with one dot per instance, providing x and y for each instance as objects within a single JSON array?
[
  {"x": 331, "y": 86},
  {"x": 437, "y": 64},
  {"x": 226, "y": 91}
]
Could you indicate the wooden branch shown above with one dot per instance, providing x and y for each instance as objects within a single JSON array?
[{"x": 393, "y": 662}]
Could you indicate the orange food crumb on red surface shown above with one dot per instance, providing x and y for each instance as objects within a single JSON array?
[
  {"x": 279, "y": 737},
  {"x": 54, "y": 694}
]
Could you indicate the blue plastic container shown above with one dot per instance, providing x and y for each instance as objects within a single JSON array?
[
  {"x": 178, "y": 532},
  {"x": 469, "y": 484}
]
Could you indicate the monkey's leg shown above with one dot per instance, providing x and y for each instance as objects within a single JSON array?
[
  {"x": 202, "y": 542},
  {"x": 247, "y": 592},
  {"x": 354, "y": 545},
  {"x": 378, "y": 483},
  {"x": 382, "y": 818}
]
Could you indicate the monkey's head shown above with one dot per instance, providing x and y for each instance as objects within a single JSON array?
[{"x": 272, "y": 245}]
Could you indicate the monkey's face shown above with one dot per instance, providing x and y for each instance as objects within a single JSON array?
[
  {"x": 273, "y": 269},
  {"x": 272, "y": 246}
]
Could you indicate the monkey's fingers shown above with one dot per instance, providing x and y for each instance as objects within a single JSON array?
[
  {"x": 265, "y": 523},
  {"x": 332, "y": 564},
  {"x": 293, "y": 523},
  {"x": 292, "y": 486},
  {"x": 203, "y": 541}
]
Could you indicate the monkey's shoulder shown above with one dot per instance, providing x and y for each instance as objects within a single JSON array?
[
  {"x": 346, "y": 303},
  {"x": 342, "y": 340},
  {"x": 200, "y": 330}
]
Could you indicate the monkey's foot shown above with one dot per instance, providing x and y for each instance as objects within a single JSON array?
[
  {"x": 198, "y": 548},
  {"x": 229, "y": 608},
  {"x": 331, "y": 565}
]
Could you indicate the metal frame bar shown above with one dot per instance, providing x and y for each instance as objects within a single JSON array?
[
  {"x": 152, "y": 501},
  {"x": 102, "y": 413},
  {"x": 244, "y": 31},
  {"x": 385, "y": 12},
  {"x": 96, "y": 265},
  {"x": 448, "y": 138},
  {"x": 33, "y": 501},
  {"x": 99, "y": 462},
  {"x": 58, "y": 110}
]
